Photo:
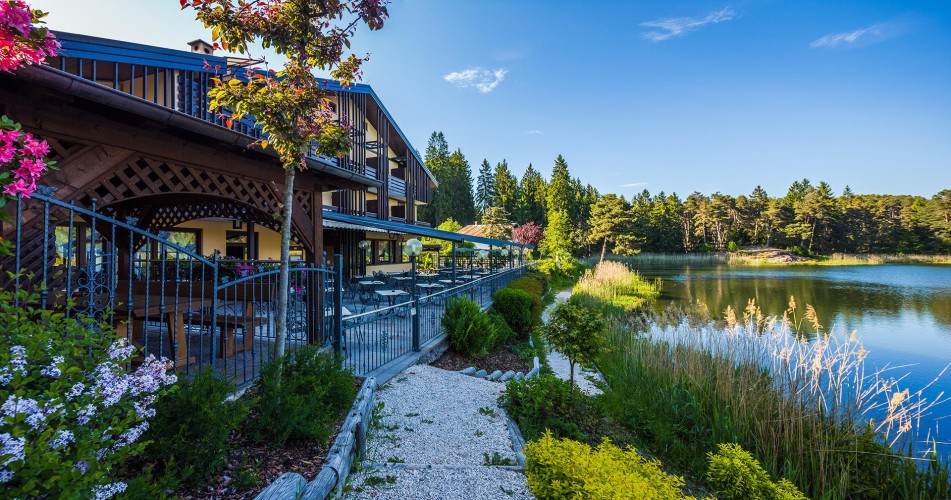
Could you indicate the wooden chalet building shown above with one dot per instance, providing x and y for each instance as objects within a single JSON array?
[{"x": 152, "y": 192}]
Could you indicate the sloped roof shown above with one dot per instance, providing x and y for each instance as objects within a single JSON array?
[{"x": 476, "y": 230}]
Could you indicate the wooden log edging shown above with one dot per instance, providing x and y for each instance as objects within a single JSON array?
[{"x": 348, "y": 448}]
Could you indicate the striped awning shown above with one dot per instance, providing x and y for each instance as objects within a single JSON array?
[{"x": 332, "y": 224}]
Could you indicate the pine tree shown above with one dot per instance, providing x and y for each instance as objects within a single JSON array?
[
  {"x": 611, "y": 225},
  {"x": 485, "y": 187},
  {"x": 531, "y": 204},
  {"x": 506, "y": 188},
  {"x": 462, "y": 201},
  {"x": 437, "y": 161}
]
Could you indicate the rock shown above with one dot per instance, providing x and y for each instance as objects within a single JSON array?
[
  {"x": 519, "y": 376},
  {"x": 468, "y": 371},
  {"x": 495, "y": 375},
  {"x": 507, "y": 376},
  {"x": 480, "y": 374}
]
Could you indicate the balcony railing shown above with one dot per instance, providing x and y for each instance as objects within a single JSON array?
[
  {"x": 397, "y": 187},
  {"x": 183, "y": 90}
]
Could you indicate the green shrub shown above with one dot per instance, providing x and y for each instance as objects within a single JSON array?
[
  {"x": 546, "y": 402},
  {"x": 300, "y": 397},
  {"x": 566, "y": 469},
  {"x": 536, "y": 289},
  {"x": 502, "y": 333},
  {"x": 71, "y": 410},
  {"x": 516, "y": 307},
  {"x": 736, "y": 475},
  {"x": 469, "y": 331},
  {"x": 189, "y": 435}
]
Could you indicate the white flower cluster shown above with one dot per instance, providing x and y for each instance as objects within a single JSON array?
[{"x": 106, "y": 386}]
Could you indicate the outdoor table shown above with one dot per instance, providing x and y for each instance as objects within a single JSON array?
[
  {"x": 391, "y": 295},
  {"x": 175, "y": 309},
  {"x": 448, "y": 282},
  {"x": 430, "y": 286},
  {"x": 427, "y": 275}
]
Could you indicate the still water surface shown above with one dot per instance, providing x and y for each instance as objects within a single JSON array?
[{"x": 902, "y": 313}]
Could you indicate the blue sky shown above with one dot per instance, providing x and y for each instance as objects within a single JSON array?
[{"x": 668, "y": 96}]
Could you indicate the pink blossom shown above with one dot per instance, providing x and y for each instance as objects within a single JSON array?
[
  {"x": 19, "y": 187},
  {"x": 9, "y": 136}
]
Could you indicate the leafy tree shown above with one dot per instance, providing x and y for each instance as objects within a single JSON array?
[
  {"x": 291, "y": 106},
  {"x": 557, "y": 242},
  {"x": 528, "y": 234},
  {"x": 577, "y": 332},
  {"x": 485, "y": 187},
  {"x": 531, "y": 203}
]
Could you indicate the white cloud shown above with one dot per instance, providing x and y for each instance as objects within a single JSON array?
[
  {"x": 680, "y": 26},
  {"x": 534, "y": 132},
  {"x": 481, "y": 79},
  {"x": 834, "y": 40},
  {"x": 634, "y": 184}
]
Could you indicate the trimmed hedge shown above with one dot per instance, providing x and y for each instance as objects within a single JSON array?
[
  {"x": 536, "y": 289},
  {"x": 516, "y": 307}
]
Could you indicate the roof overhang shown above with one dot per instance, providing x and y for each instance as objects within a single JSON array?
[
  {"x": 75, "y": 86},
  {"x": 428, "y": 232}
]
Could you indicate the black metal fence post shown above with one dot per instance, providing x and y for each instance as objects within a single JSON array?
[
  {"x": 338, "y": 303},
  {"x": 414, "y": 307}
]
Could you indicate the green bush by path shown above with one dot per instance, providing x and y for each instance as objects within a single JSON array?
[
  {"x": 300, "y": 397},
  {"x": 502, "y": 333},
  {"x": 736, "y": 475},
  {"x": 469, "y": 331},
  {"x": 548, "y": 403},
  {"x": 567, "y": 469},
  {"x": 536, "y": 289},
  {"x": 515, "y": 306},
  {"x": 190, "y": 432}
]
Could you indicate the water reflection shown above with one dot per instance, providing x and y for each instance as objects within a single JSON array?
[{"x": 901, "y": 313}]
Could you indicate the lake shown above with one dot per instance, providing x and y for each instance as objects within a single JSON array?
[{"x": 901, "y": 313}]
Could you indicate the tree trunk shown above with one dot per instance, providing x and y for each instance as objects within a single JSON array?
[
  {"x": 284, "y": 281},
  {"x": 812, "y": 236},
  {"x": 571, "y": 373},
  {"x": 604, "y": 246}
]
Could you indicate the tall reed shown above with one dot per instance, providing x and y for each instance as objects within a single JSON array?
[{"x": 807, "y": 409}]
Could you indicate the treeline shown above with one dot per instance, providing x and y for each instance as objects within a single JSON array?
[{"x": 808, "y": 218}]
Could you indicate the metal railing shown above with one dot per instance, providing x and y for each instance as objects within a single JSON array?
[
  {"x": 164, "y": 298},
  {"x": 374, "y": 338}
]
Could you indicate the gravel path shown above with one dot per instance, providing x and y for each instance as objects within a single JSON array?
[
  {"x": 435, "y": 429},
  {"x": 559, "y": 363}
]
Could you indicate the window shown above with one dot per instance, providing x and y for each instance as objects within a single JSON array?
[
  {"x": 384, "y": 252},
  {"x": 236, "y": 245}
]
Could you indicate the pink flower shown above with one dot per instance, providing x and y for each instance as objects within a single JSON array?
[
  {"x": 7, "y": 152},
  {"x": 35, "y": 147},
  {"x": 9, "y": 136},
  {"x": 19, "y": 187},
  {"x": 30, "y": 169}
]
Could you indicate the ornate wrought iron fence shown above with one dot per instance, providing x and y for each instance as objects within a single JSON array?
[{"x": 162, "y": 296}]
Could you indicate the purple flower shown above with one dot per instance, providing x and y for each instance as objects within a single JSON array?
[
  {"x": 5, "y": 476},
  {"x": 16, "y": 405},
  {"x": 63, "y": 438},
  {"x": 132, "y": 435},
  {"x": 18, "y": 361},
  {"x": 119, "y": 350},
  {"x": 76, "y": 390},
  {"x": 105, "y": 491},
  {"x": 82, "y": 466},
  {"x": 12, "y": 448},
  {"x": 53, "y": 369},
  {"x": 84, "y": 415}
]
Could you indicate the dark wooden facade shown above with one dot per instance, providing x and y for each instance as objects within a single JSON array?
[{"x": 130, "y": 127}]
